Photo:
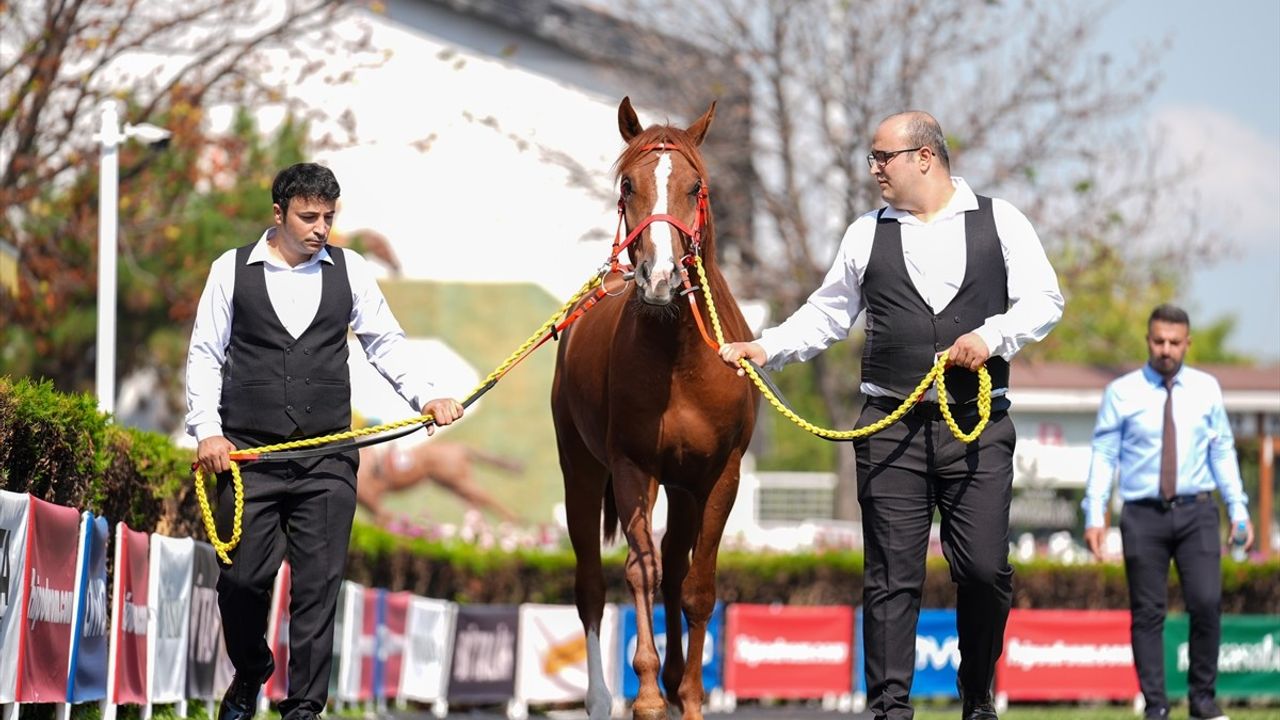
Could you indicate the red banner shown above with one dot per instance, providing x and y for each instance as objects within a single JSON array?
[
  {"x": 788, "y": 652},
  {"x": 369, "y": 686},
  {"x": 52, "y": 548},
  {"x": 128, "y": 668},
  {"x": 1067, "y": 655},
  {"x": 277, "y": 686},
  {"x": 391, "y": 644}
]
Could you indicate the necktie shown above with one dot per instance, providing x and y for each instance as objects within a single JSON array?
[{"x": 1168, "y": 447}]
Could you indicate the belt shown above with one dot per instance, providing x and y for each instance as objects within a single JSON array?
[
  {"x": 926, "y": 410},
  {"x": 1176, "y": 500}
]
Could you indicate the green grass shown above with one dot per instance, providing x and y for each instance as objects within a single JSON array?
[{"x": 1097, "y": 712}]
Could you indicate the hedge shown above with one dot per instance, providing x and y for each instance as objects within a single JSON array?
[{"x": 59, "y": 448}]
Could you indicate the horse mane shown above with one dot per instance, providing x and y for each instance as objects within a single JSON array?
[{"x": 653, "y": 135}]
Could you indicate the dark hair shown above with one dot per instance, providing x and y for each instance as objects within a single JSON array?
[
  {"x": 924, "y": 131},
  {"x": 1168, "y": 313},
  {"x": 304, "y": 180}
]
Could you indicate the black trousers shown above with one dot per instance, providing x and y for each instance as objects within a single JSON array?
[
  {"x": 904, "y": 473},
  {"x": 302, "y": 510},
  {"x": 1187, "y": 533}
]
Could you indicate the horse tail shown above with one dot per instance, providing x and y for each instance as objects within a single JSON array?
[{"x": 610, "y": 512}]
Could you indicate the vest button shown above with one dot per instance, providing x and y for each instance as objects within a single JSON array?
[
  {"x": 288, "y": 378},
  {"x": 956, "y": 318},
  {"x": 307, "y": 381},
  {"x": 308, "y": 408},
  {"x": 288, "y": 351},
  {"x": 306, "y": 351},
  {"x": 288, "y": 408}
]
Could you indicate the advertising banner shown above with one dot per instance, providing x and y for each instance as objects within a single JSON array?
[
  {"x": 712, "y": 664},
  {"x": 483, "y": 669},
  {"x": 15, "y": 512},
  {"x": 1248, "y": 656},
  {"x": 551, "y": 655},
  {"x": 127, "y": 670},
  {"x": 788, "y": 652},
  {"x": 348, "y": 637},
  {"x": 87, "y": 679},
  {"x": 53, "y": 547},
  {"x": 370, "y": 661},
  {"x": 170, "y": 608},
  {"x": 277, "y": 686},
  {"x": 391, "y": 641},
  {"x": 428, "y": 647},
  {"x": 1067, "y": 655},
  {"x": 937, "y": 655},
  {"x": 205, "y": 649}
]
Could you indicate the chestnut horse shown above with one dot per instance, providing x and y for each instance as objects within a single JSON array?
[{"x": 640, "y": 399}]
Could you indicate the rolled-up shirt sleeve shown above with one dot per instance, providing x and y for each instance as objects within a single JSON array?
[
  {"x": 1035, "y": 299},
  {"x": 382, "y": 337}
]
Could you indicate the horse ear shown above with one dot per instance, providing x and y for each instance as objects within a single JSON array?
[
  {"x": 628, "y": 123},
  {"x": 698, "y": 130}
]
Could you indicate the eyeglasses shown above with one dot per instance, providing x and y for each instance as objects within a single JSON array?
[{"x": 882, "y": 158}]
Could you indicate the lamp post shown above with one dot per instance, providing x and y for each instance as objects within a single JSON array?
[{"x": 111, "y": 135}]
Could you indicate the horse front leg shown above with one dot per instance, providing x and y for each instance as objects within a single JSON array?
[
  {"x": 683, "y": 519},
  {"x": 632, "y": 493},
  {"x": 698, "y": 593}
]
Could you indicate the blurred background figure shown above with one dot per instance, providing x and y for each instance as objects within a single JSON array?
[{"x": 449, "y": 465}]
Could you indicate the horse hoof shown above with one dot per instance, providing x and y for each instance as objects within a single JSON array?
[{"x": 658, "y": 713}]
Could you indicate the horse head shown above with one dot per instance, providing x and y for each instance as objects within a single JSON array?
[{"x": 663, "y": 194}]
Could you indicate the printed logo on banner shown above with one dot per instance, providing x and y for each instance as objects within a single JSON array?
[
  {"x": 484, "y": 652},
  {"x": 552, "y": 658},
  {"x": 937, "y": 655},
  {"x": 428, "y": 634},
  {"x": 54, "y": 547},
  {"x": 785, "y": 652},
  {"x": 88, "y": 677},
  {"x": 15, "y": 509},
  {"x": 1248, "y": 656},
  {"x": 205, "y": 625},
  {"x": 1067, "y": 655},
  {"x": 712, "y": 666}
]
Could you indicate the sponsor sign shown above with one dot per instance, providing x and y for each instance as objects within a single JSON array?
[
  {"x": 277, "y": 686},
  {"x": 483, "y": 669},
  {"x": 45, "y": 656},
  {"x": 15, "y": 513},
  {"x": 205, "y": 649},
  {"x": 127, "y": 670},
  {"x": 712, "y": 664},
  {"x": 351, "y": 656},
  {"x": 170, "y": 609},
  {"x": 391, "y": 640},
  {"x": 429, "y": 635},
  {"x": 87, "y": 678},
  {"x": 1248, "y": 656},
  {"x": 552, "y": 654},
  {"x": 371, "y": 666},
  {"x": 1067, "y": 655},
  {"x": 937, "y": 655},
  {"x": 788, "y": 652}
]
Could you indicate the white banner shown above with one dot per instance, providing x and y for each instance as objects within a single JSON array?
[
  {"x": 169, "y": 605},
  {"x": 551, "y": 655},
  {"x": 428, "y": 635},
  {"x": 14, "y": 513},
  {"x": 350, "y": 660}
]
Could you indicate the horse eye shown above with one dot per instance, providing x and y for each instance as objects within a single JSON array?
[
  {"x": 626, "y": 187},
  {"x": 697, "y": 188}
]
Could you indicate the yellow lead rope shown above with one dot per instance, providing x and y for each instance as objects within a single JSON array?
[{"x": 936, "y": 376}]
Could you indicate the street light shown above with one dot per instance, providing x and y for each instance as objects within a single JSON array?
[{"x": 111, "y": 135}]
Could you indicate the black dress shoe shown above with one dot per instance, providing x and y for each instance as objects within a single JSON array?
[
  {"x": 241, "y": 700},
  {"x": 979, "y": 709}
]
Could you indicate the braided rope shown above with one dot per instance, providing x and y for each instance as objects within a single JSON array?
[
  {"x": 224, "y": 547},
  {"x": 936, "y": 376}
]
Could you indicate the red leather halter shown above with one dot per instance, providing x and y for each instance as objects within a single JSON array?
[{"x": 694, "y": 234}]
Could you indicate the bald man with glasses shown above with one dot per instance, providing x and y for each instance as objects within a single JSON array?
[{"x": 937, "y": 268}]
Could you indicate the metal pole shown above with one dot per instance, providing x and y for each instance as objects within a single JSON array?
[{"x": 108, "y": 179}]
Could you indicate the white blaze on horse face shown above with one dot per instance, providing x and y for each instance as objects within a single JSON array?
[{"x": 664, "y": 260}]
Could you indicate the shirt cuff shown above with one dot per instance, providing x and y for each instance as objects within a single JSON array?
[
  {"x": 1094, "y": 516},
  {"x": 991, "y": 337},
  {"x": 1239, "y": 512},
  {"x": 205, "y": 431}
]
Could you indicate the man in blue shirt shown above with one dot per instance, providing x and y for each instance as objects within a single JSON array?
[{"x": 1164, "y": 429}]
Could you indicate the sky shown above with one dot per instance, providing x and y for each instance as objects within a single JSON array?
[{"x": 1220, "y": 103}]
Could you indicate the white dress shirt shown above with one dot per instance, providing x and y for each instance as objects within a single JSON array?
[
  {"x": 935, "y": 253},
  {"x": 295, "y": 296}
]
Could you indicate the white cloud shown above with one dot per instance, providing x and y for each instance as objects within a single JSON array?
[{"x": 1236, "y": 170}]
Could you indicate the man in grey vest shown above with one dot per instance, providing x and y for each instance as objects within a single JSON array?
[
  {"x": 939, "y": 268},
  {"x": 268, "y": 362}
]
